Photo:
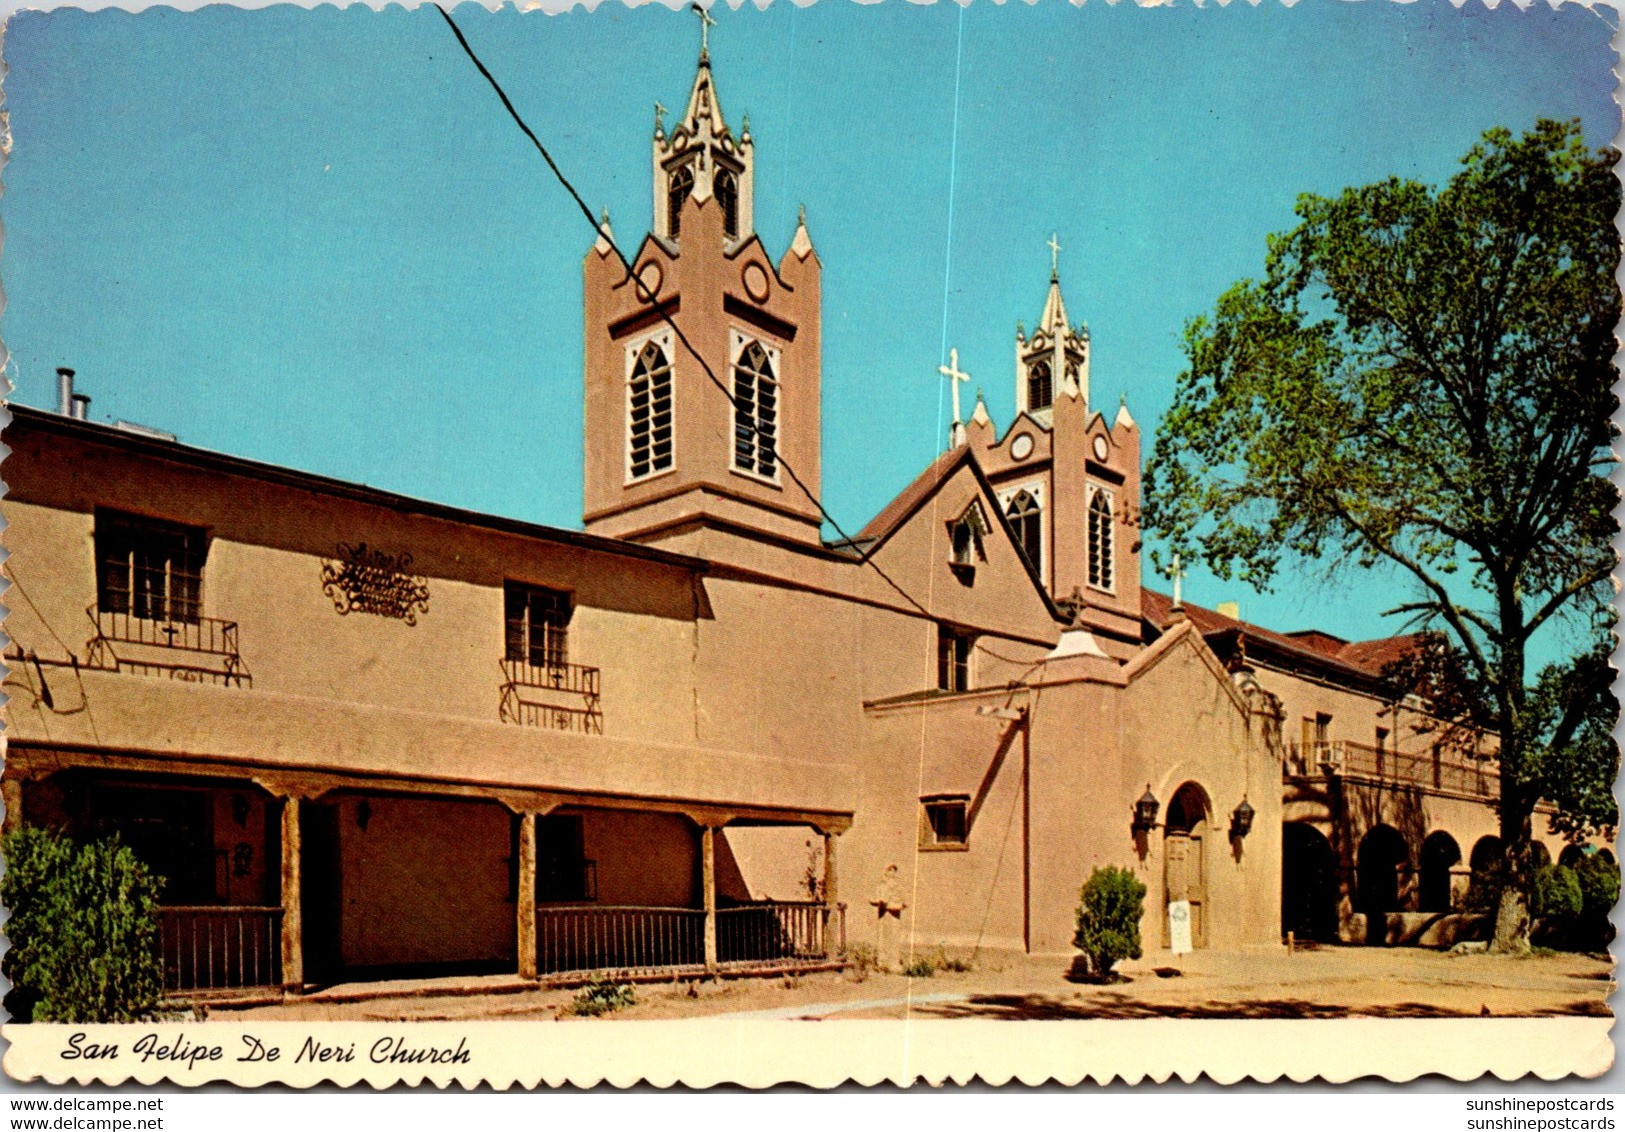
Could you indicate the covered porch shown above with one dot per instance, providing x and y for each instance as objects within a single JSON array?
[{"x": 323, "y": 880}]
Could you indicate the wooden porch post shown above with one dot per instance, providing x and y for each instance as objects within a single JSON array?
[
  {"x": 525, "y": 896},
  {"x": 11, "y": 792},
  {"x": 708, "y": 884},
  {"x": 293, "y": 928},
  {"x": 831, "y": 896}
]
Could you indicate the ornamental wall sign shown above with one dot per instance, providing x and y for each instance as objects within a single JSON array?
[{"x": 363, "y": 580}]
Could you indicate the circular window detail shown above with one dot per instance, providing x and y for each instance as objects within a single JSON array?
[
  {"x": 1022, "y": 446},
  {"x": 1102, "y": 449},
  {"x": 757, "y": 284},
  {"x": 651, "y": 277}
]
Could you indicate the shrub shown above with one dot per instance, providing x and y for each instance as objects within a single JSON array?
[
  {"x": 862, "y": 959},
  {"x": 83, "y": 930},
  {"x": 920, "y": 968},
  {"x": 1598, "y": 878},
  {"x": 602, "y": 996},
  {"x": 1109, "y": 919},
  {"x": 1556, "y": 893}
]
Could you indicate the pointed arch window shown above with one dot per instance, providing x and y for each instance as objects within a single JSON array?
[
  {"x": 1027, "y": 520},
  {"x": 678, "y": 190},
  {"x": 1040, "y": 386},
  {"x": 756, "y": 412},
  {"x": 1100, "y": 540},
  {"x": 649, "y": 413},
  {"x": 725, "y": 187}
]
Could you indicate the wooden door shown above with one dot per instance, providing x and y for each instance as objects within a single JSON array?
[{"x": 1186, "y": 878}]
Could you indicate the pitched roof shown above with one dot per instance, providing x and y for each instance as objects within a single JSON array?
[
  {"x": 892, "y": 515},
  {"x": 1360, "y": 662}
]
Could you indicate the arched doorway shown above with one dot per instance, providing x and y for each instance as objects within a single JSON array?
[
  {"x": 1440, "y": 854},
  {"x": 1184, "y": 857},
  {"x": 1383, "y": 857},
  {"x": 1308, "y": 883}
]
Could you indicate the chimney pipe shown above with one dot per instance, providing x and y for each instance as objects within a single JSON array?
[
  {"x": 64, "y": 391},
  {"x": 81, "y": 406}
]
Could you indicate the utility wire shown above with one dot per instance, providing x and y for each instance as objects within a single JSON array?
[{"x": 648, "y": 296}]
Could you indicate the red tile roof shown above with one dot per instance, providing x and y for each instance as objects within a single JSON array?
[{"x": 1362, "y": 660}]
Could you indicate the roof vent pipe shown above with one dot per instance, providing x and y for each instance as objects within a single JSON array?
[
  {"x": 64, "y": 391},
  {"x": 81, "y": 407}
]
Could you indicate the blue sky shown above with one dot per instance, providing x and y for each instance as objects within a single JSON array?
[{"x": 314, "y": 238}]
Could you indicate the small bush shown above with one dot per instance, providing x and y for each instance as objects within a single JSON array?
[
  {"x": 919, "y": 968},
  {"x": 861, "y": 959},
  {"x": 83, "y": 930},
  {"x": 602, "y": 996},
  {"x": 1484, "y": 888},
  {"x": 1556, "y": 893},
  {"x": 1109, "y": 919},
  {"x": 1598, "y": 878}
]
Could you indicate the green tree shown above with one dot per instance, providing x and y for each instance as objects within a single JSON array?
[
  {"x": 83, "y": 930},
  {"x": 1109, "y": 920},
  {"x": 1423, "y": 377}
]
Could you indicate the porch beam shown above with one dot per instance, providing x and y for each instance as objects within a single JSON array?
[
  {"x": 708, "y": 887},
  {"x": 525, "y": 896},
  {"x": 293, "y": 927}
]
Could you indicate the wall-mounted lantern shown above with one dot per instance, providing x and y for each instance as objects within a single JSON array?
[
  {"x": 1145, "y": 812},
  {"x": 1241, "y": 821}
]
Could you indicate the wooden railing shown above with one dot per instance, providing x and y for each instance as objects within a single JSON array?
[
  {"x": 598, "y": 937},
  {"x": 769, "y": 931},
  {"x": 1429, "y": 770},
  {"x": 595, "y": 937},
  {"x": 220, "y": 946}
]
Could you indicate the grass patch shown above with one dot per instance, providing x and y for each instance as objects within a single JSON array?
[{"x": 601, "y": 996}]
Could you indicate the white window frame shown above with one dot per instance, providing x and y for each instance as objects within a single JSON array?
[
  {"x": 1036, "y": 490},
  {"x": 1111, "y": 513},
  {"x": 737, "y": 341},
  {"x": 663, "y": 339}
]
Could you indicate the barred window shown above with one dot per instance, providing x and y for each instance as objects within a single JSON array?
[
  {"x": 1100, "y": 540},
  {"x": 756, "y": 413},
  {"x": 678, "y": 190},
  {"x": 649, "y": 413},
  {"x": 148, "y": 568},
  {"x": 725, "y": 188},
  {"x": 538, "y": 625},
  {"x": 1027, "y": 520},
  {"x": 947, "y": 819},
  {"x": 1040, "y": 386}
]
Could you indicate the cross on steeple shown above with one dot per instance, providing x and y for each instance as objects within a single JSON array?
[
  {"x": 955, "y": 376},
  {"x": 707, "y": 22},
  {"x": 1178, "y": 574},
  {"x": 1054, "y": 257}
]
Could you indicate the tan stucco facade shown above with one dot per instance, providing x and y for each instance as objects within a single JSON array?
[{"x": 943, "y": 725}]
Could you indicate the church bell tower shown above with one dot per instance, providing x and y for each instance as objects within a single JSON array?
[{"x": 702, "y": 363}]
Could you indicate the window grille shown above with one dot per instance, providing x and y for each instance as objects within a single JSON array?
[
  {"x": 1100, "y": 540},
  {"x": 538, "y": 626},
  {"x": 756, "y": 413},
  {"x": 149, "y": 569},
  {"x": 679, "y": 189},
  {"x": 1027, "y": 520},
  {"x": 725, "y": 188},
  {"x": 649, "y": 408},
  {"x": 1040, "y": 386}
]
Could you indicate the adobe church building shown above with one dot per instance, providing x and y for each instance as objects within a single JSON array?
[{"x": 360, "y": 735}]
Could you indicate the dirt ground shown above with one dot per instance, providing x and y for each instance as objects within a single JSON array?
[{"x": 1322, "y": 982}]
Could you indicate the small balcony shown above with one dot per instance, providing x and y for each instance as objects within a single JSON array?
[
  {"x": 561, "y": 696},
  {"x": 1432, "y": 770},
  {"x": 201, "y": 650}
]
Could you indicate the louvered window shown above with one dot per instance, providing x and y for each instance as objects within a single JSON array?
[
  {"x": 756, "y": 413},
  {"x": 649, "y": 413},
  {"x": 1100, "y": 540}
]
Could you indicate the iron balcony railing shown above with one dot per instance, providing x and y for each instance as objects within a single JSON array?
[
  {"x": 220, "y": 947},
  {"x": 1428, "y": 769},
  {"x": 200, "y": 649},
  {"x": 564, "y": 697}
]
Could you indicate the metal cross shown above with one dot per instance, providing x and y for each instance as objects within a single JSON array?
[
  {"x": 706, "y": 24},
  {"x": 1177, "y": 574},
  {"x": 660, "y": 112},
  {"x": 955, "y": 375},
  {"x": 1054, "y": 255}
]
